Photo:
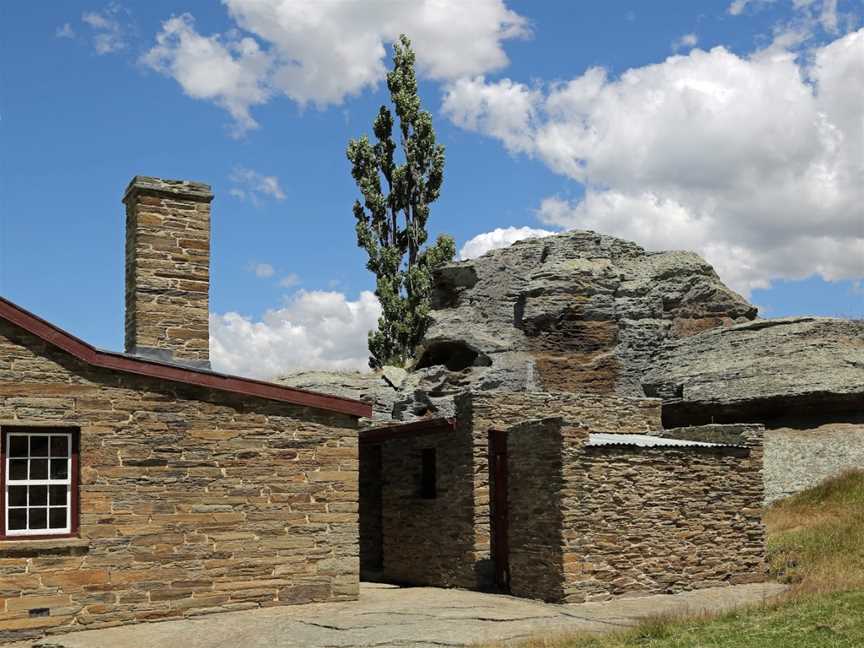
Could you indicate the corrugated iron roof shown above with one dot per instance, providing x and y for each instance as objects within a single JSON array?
[{"x": 648, "y": 441}]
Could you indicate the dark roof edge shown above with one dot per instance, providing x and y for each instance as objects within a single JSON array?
[
  {"x": 403, "y": 430},
  {"x": 139, "y": 366}
]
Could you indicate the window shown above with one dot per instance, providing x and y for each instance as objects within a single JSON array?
[
  {"x": 428, "y": 474},
  {"x": 39, "y": 477}
]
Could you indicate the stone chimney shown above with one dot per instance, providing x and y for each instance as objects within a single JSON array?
[{"x": 168, "y": 270}]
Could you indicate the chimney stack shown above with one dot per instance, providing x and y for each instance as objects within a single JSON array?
[{"x": 168, "y": 270}]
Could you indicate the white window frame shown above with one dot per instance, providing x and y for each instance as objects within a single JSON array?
[{"x": 67, "y": 530}]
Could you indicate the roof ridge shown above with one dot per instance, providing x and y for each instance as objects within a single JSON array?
[{"x": 114, "y": 361}]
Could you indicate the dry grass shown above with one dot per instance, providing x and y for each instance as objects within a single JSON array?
[
  {"x": 816, "y": 544},
  {"x": 816, "y": 538}
]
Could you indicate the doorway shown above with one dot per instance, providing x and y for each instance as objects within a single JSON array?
[
  {"x": 499, "y": 519},
  {"x": 371, "y": 510}
]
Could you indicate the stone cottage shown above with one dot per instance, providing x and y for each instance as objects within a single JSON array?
[
  {"x": 141, "y": 485},
  {"x": 565, "y": 497}
]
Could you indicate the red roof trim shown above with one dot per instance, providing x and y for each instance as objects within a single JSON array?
[
  {"x": 139, "y": 366},
  {"x": 415, "y": 428}
]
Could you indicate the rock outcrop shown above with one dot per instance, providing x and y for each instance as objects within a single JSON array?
[
  {"x": 578, "y": 311},
  {"x": 761, "y": 370},
  {"x": 371, "y": 387}
]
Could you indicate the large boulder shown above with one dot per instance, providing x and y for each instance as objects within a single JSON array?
[
  {"x": 370, "y": 386},
  {"x": 578, "y": 311},
  {"x": 761, "y": 371}
]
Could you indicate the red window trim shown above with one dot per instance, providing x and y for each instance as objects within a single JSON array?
[{"x": 74, "y": 496}]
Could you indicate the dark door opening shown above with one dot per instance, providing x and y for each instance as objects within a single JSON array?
[
  {"x": 371, "y": 509},
  {"x": 499, "y": 520}
]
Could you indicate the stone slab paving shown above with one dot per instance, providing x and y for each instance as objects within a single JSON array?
[{"x": 389, "y": 617}]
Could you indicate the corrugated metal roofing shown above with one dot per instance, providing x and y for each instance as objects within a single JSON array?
[{"x": 648, "y": 441}]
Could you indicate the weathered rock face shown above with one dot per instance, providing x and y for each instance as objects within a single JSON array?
[
  {"x": 574, "y": 312},
  {"x": 759, "y": 371},
  {"x": 371, "y": 387}
]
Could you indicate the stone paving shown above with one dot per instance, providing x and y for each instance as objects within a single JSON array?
[{"x": 389, "y": 617}]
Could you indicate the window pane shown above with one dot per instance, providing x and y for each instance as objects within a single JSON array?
[
  {"x": 57, "y": 495},
  {"x": 18, "y": 495},
  {"x": 38, "y": 496},
  {"x": 18, "y": 469},
  {"x": 57, "y": 518},
  {"x": 38, "y": 446},
  {"x": 60, "y": 446},
  {"x": 17, "y": 446},
  {"x": 38, "y": 469},
  {"x": 17, "y": 519},
  {"x": 38, "y": 518},
  {"x": 59, "y": 469}
]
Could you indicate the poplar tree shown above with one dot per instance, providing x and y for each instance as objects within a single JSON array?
[{"x": 391, "y": 219}]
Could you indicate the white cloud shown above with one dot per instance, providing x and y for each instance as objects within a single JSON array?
[
  {"x": 110, "y": 28},
  {"x": 685, "y": 42},
  {"x": 251, "y": 185},
  {"x": 321, "y": 52},
  {"x": 504, "y": 110},
  {"x": 230, "y": 71},
  {"x": 290, "y": 280},
  {"x": 755, "y": 162},
  {"x": 315, "y": 330},
  {"x": 65, "y": 31},
  {"x": 498, "y": 238},
  {"x": 262, "y": 270}
]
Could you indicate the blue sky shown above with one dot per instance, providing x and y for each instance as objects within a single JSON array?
[{"x": 755, "y": 163}]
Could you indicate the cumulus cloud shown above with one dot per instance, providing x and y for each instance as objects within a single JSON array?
[
  {"x": 110, "y": 28},
  {"x": 756, "y": 161},
  {"x": 504, "y": 110},
  {"x": 253, "y": 186},
  {"x": 321, "y": 52},
  {"x": 498, "y": 238},
  {"x": 230, "y": 71},
  {"x": 314, "y": 330}
]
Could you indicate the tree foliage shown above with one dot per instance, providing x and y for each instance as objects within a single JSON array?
[{"x": 391, "y": 219}]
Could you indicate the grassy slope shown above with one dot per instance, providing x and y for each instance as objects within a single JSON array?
[
  {"x": 816, "y": 538},
  {"x": 816, "y": 544}
]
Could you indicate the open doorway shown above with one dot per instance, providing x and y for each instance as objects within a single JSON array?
[{"x": 499, "y": 519}]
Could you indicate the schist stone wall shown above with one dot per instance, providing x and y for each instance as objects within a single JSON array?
[
  {"x": 478, "y": 413},
  {"x": 425, "y": 540},
  {"x": 168, "y": 270},
  {"x": 623, "y": 519},
  {"x": 536, "y": 518},
  {"x": 445, "y": 541},
  {"x": 191, "y": 500}
]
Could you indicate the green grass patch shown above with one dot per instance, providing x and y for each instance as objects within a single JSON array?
[{"x": 817, "y": 621}]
